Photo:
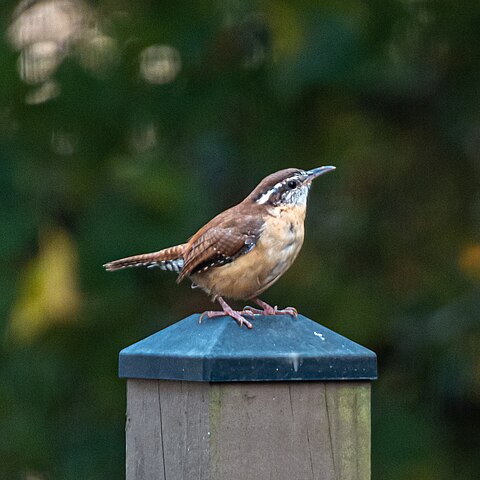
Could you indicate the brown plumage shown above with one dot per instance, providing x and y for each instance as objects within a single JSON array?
[
  {"x": 147, "y": 259},
  {"x": 245, "y": 249}
]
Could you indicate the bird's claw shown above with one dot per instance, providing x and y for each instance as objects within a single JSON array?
[
  {"x": 269, "y": 310},
  {"x": 252, "y": 311},
  {"x": 292, "y": 311},
  {"x": 237, "y": 316}
]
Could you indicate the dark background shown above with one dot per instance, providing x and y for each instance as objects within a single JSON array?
[{"x": 124, "y": 126}]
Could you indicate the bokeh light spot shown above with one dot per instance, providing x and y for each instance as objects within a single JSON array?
[
  {"x": 160, "y": 64},
  {"x": 38, "y": 62}
]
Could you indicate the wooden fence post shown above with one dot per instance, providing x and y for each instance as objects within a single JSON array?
[{"x": 288, "y": 400}]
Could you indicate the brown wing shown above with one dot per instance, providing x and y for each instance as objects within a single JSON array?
[{"x": 217, "y": 245}]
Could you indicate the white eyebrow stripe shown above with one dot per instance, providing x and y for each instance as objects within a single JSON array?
[{"x": 266, "y": 196}]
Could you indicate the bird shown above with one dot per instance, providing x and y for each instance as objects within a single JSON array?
[{"x": 243, "y": 250}]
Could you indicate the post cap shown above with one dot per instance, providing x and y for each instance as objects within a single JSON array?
[{"x": 278, "y": 348}]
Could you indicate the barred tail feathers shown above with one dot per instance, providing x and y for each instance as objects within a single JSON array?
[{"x": 167, "y": 259}]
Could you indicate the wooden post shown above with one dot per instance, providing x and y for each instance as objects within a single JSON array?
[{"x": 288, "y": 400}]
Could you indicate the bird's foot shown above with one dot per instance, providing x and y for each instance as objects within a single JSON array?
[
  {"x": 227, "y": 312},
  {"x": 269, "y": 310},
  {"x": 236, "y": 315}
]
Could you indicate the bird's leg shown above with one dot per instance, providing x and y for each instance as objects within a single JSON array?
[
  {"x": 227, "y": 311},
  {"x": 269, "y": 310}
]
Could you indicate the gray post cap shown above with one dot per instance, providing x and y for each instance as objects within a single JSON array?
[{"x": 277, "y": 348}]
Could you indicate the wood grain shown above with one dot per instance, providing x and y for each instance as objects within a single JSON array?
[{"x": 248, "y": 431}]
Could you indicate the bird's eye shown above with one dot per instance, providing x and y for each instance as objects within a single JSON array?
[{"x": 292, "y": 184}]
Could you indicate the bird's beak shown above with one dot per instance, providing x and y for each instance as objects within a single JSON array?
[{"x": 316, "y": 172}]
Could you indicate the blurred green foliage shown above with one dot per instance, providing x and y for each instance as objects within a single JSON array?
[{"x": 124, "y": 126}]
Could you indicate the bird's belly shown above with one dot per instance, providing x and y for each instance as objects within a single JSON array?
[{"x": 251, "y": 274}]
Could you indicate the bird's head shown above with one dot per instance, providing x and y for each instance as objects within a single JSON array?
[{"x": 286, "y": 187}]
